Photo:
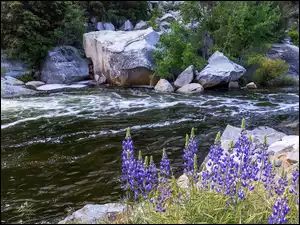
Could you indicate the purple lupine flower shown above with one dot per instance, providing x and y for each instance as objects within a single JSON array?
[
  {"x": 151, "y": 177},
  {"x": 128, "y": 163},
  {"x": 164, "y": 191},
  {"x": 295, "y": 184},
  {"x": 268, "y": 177},
  {"x": 165, "y": 169},
  {"x": 281, "y": 185},
  {"x": 140, "y": 174},
  {"x": 280, "y": 210}
]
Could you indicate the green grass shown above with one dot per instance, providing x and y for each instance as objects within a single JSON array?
[
  {"x": 207, "y": 207},
  {"x": 26, "y": 77}
]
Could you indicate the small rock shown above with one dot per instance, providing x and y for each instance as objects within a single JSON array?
[
  {"x": 164, "y": 86},
  {"x": 293, "y": 156},
  {"x": 108, "y": 26},
  {"x": 191, "y": 88},
  {"x": 93, "y": 213},
  {"x": 233, "y": 85},
  {"x": 127, "y": 26},
  {"x": 141, "y": 25},
  {"x": 251, "y": 85},
  {"x": 288, "y": 143},
  {"x": 34, "y": 84},
  {"x": 183, "y": 181},
  {"x": 185, "y": 77},
  {"x": 168, "y": 18},
  {"x": 100, "y": 26},
  {"x": 100, "y": 79}
]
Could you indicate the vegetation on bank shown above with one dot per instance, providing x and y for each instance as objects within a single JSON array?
[
  {"x": 238, "y": 29},
  {"x": 240, "y": 185}
]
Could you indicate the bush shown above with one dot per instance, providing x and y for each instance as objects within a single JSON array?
[
  {"x": 26, "y": 77},
  {"x": 30, "y": 28},
  {"x": 294, "y": 34},
  {"x": 269, "y": 71},
  {"x": 240, "y": 185},
  {"x": 175, "y": 53}
]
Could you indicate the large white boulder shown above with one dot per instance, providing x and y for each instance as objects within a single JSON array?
[
  {"x": 185, "y": 77},
  {"x": 164, "y": 86},
  {"x": 123, "y": 57},
  {"x": 190, "y": 88}
]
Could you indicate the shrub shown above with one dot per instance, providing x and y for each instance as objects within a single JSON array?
[
  {"x": 30, "y": 28},
  {"x": 175, "y": 53},
  {"x": 268, "y": 70},
  {"x": 240, "y": 185},
  {"x": 294, "y": 34},
  {"x": 26, "y": 77}
]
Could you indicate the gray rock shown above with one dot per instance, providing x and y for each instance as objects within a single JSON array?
[
  {"x": 271, "y": 134},
  {"x": 289, "y": 143},
  {"x": 93, "y": 20},
  {"x": 185, "y": 77},
  {"x": 51, "y": 87},
  {"x": 293, "y": 156},
  {"x": 100, "y": 26},
  {"x": 127, "y": 26},
  {"x": 13, "y": 68},
  {"x": 92, "y": 214},
  {"x": 251, "y": 85},
  {"x": 11, "y": 80},
  {"x": 191, "y": 88},
  {"x": 141, "y": 25},
  {"x": 108, "y": 26},
  {"x": 123, "y": 57},
  {"x": 257, "y": 134},
  {"x": 163, "y": 86},
  {"x": 100, "y": 79},
  {"x": 220, "y": 70},
  {"x": 34, "y": 84},
  {"x": 233, "y": 85},
  {"x": 288, "y": 53},
  {"x": 9, "y": 90},
  {"x": 64, "y": 65},
  {"x": 183, "y": 181}
]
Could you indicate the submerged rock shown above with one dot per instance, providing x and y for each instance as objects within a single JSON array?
[
  {"x": 123, "y": 57},
  {"x": 64, "y": 65},
  {"x": 220, "y": 70},
  {"x": 164, "y": 86},
  {"x": 92, "y": 214}
]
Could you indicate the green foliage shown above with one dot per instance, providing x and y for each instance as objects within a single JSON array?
[
  {"x": 116, "y": 11},
  {"x": 238, "y": 26},
  {"x": 294, "y": 34},
  {"x": 30, "y": 28},
  {"x": 156, "y": 13},
  {"x": 270, "y": 72},
  {"x": 175, "y": 53},
  {"x": 26, "y": 77}
]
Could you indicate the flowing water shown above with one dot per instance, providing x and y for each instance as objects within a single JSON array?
[{"x": 62, "y": 150}]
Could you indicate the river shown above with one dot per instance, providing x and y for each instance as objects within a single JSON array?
[{"x": 62, "y": 150}]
